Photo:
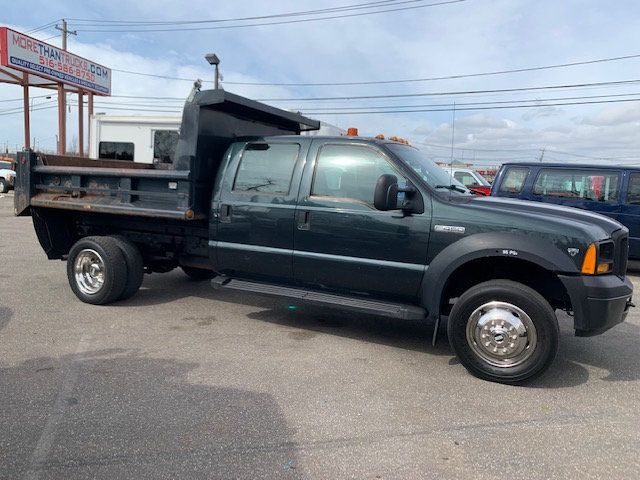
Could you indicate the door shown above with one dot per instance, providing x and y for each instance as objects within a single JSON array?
[
  {"x": 630, "y": 213},
  {"x": 342, "y": 242},
  {"x": 254, "y": 213}
]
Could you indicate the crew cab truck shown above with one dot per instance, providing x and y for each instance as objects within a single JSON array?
[{"x": 364, "y": 224}]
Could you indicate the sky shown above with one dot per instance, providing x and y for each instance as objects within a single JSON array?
[{"x": 460, "y": 38}]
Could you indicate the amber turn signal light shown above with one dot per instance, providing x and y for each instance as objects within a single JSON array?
[
  {"x": 603, "y": 268},
  {"x": 589, "y": 262}
]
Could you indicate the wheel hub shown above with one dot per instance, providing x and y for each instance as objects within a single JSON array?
[
  {"x": 501, "y": 334},
  {"x": 88, "y": 271}
]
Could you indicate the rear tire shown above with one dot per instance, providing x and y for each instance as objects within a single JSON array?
[
  {"x": 503, "y": 331},
  {"x": 135, "y": 266},
  {"x": 198, "y": 274},
  {"x": 97, "y": 270}
]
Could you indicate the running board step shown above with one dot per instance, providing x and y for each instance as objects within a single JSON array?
[{"x": 375, "y": 307}]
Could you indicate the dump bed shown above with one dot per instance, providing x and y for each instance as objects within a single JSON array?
[{"x": 211, "y": 121}]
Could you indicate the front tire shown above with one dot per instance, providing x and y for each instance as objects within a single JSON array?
[
  {"x": 503, "y": 331},
  {"x": 97, "y": 270},
  {"x": 4, "y": 187}
]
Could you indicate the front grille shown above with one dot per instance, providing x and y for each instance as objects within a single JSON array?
[{"x": 621, "y": 240}]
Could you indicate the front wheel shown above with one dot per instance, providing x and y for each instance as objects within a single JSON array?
[
  {"x": 503, "y": 331},
  {"x": 4, "y": 188}
]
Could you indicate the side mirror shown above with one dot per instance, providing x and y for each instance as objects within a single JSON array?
[{"x": 386, "y": 193}]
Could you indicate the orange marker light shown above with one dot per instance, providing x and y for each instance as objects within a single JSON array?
[
  {"x": 352, "y": 132},
  {"x": 589, "y": 262},
  {"x": 603, "y": 268}
]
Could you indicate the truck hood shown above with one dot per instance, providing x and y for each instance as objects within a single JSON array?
[{"x": 582, "y": 219}]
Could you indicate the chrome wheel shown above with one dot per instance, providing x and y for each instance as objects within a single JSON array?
[
  {"x": 501, "y": 334},
  {"x": 88, "y": 271}
]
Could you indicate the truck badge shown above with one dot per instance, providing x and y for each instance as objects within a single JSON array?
[
  {"x": 449, "y": 229},
  {"x": 573, "y": 251}
]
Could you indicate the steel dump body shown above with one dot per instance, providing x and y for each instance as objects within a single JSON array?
[{"x": 212, "y": 120}]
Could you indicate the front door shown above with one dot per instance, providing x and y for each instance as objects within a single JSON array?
[
  {"x": 342, "y": 242},
  {"x": 253, "y": 235}
]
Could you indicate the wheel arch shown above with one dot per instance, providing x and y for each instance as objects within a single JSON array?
[{"x": 488, "y": 256}]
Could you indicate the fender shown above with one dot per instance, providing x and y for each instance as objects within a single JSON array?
[{"x": 483, "y": 245}]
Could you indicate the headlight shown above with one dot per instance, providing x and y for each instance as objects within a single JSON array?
[{"x": 598, "y": 259}]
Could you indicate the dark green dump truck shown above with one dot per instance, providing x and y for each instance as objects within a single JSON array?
[{"x": 355, "y": 223}]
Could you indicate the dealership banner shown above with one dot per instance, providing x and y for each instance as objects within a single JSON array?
[{"x": 33, "y": 56}]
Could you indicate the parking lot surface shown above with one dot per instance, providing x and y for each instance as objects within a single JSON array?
[{"x": 182, "y": 381}]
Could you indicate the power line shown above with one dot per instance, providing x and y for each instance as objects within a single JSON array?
[
  {"x": 447, "y": 77},
  {"x": 283, "y": 22},
  {"x": 463, "y": 92},
  {"x": 385, "y": 82},
  {"x": 499, "y": 107},
  {"x": 132, "y": 23},
  {"x": 42, "y": 27}
]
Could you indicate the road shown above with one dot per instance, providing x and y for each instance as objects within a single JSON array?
[{"x": 182, "y": 381}]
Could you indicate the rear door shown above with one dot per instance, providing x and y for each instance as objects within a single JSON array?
[
  {"x": 255, "y": 210},
  {"x": 342, "y": 242},
  {"x": 630, "y": 212}
]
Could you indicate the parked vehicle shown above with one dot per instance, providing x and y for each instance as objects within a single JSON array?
[
  {"x": 470, "y": 179},
  {"x": 7, "y": 177},
  {"x": 364, "y": 224},
  {"x": 611, "y": 190}
]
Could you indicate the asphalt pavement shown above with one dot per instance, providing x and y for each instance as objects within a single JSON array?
[{"x": 184, "y": 382}]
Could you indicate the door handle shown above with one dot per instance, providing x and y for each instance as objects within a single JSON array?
[
  {"x": 304, "y": 218},
  {"x": 225, "y": 213}
]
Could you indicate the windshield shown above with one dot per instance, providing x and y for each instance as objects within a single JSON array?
[
  {"x": 435, "y": 176},
  {"x": 5, "y": 165},
  {"x": 483, "y": 181}
]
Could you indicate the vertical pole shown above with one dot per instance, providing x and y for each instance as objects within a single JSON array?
[
  {"x": 62, "y": 121},
  {"x": 90, "y": 114},
  {"x": 217, "y": 79},
  {"x": 81, "y": 123},
  {"x": 27, "y": 112},
  {"x": 64, "y": 34}
]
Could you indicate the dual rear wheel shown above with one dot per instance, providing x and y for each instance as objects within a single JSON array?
[{"x": 102, "y": 270}]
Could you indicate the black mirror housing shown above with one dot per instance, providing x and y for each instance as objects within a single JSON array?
[{"x": 386, "y": 193}]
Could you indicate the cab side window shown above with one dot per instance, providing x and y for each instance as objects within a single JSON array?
[
  {"x": 266, "y": 168},
  {"x": 513, "y": 180},
  {"x": 350, "y": 172},
  {"x": 578, "y": 184},
  {"x": 633, "y": 194}
]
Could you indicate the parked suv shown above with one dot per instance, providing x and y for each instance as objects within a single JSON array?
[
  {"x": 613, "y": 191},
  {"x": 7, "y": 177}
]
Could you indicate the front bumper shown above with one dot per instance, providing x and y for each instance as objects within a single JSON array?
[{"x": 598, "y": 302}]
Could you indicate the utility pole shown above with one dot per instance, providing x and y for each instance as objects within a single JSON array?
[
  {"x": 65, "y": 32},
  {"x": 541, "y": 154},
  {"x": 62, "y": 99}
]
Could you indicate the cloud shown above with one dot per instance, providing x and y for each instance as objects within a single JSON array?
[
  {"x": 541, "y": 112},
  {"x": 618, "y": 115}
]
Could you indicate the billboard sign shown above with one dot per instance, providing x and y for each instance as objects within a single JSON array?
[{"x": 27, "y": 54}]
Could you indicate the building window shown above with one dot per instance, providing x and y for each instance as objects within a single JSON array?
[
  {"x": 164, "y": 146},
  {"x": 266, "y": 168},
  {"x": 116, "y": 150}
]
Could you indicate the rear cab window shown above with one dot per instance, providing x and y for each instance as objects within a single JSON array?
[
  {"x": 266, "y": 168},
  {"x": 591, "y": 185},
  {"x": 513, "y": 179}
]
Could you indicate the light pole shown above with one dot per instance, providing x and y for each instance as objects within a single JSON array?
[{"x": 213, "y": 59}]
